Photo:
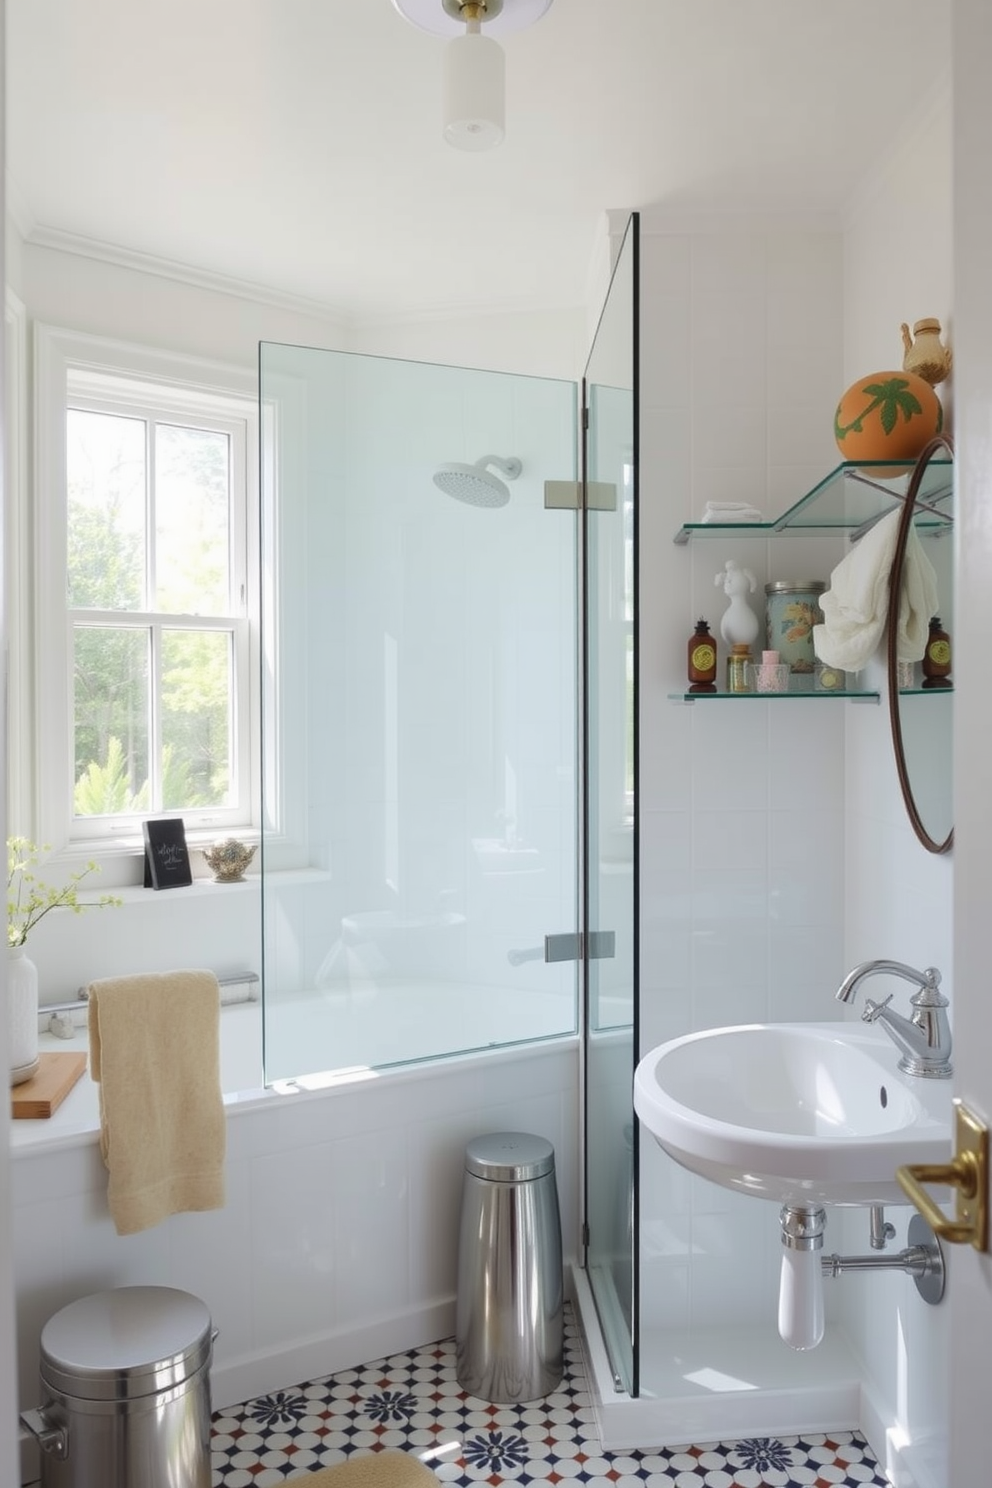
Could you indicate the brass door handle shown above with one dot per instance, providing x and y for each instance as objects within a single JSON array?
[{"x": 967, "y": 1173}]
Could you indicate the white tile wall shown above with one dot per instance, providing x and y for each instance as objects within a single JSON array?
[
  {"x": 803, "y": 862},
  {"x": 898, "y": 897},
  {"x": 453, "y": 620},
  {"x": 742, "y": 823}
]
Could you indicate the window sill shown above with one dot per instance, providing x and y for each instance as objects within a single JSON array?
[{"x": 202, "y": 887}]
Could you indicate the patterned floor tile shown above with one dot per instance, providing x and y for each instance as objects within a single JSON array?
[{"x": 412, "y": 1401}]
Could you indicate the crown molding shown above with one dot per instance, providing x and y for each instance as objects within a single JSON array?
[
  {"x": 59, "y": 241},
  {"x": 54, "y": 238}
]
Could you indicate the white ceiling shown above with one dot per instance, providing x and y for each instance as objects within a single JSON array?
[{"x": 296, "y": 144}]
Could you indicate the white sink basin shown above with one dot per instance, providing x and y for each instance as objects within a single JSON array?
[{"x": 804, "y": 1113}]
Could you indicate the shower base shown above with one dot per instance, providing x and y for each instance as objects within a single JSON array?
[{"x": 719, "y": 1384}]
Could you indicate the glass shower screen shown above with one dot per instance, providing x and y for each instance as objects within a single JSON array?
[{"x": 419, "y": 710}]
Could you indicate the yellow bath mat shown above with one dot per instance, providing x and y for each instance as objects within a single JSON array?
[{"x": 387, "y": 1469}]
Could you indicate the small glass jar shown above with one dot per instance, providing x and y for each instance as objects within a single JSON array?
[
  {"x": 828, "y": 678},
  {"x": 739, "y": 669},
  {"x": 905, "y": 674},
  {"x": 771, "y": 676}
]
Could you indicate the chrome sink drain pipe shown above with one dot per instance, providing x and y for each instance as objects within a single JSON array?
[
  {"x": 800, "y": 1294},
  {"x": 922, "y": 1259},
  {"x": 800, "y": 1298},
  {"x": 880, "y": 1232}
]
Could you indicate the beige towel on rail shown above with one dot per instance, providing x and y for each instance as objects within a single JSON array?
[{"x": 155, "y": 1051}]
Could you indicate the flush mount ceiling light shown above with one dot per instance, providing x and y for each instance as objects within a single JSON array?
[{"x": 474, "y": 74}]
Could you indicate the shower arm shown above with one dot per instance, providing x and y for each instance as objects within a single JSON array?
[{"x": 510, "y": 467}]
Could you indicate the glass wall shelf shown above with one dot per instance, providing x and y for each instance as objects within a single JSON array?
[
  {"x": 769, "y": 697},
  {"x": 855, "y": 496}
]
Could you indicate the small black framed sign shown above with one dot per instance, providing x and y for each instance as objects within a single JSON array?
[{"x": 167, "y": 864}]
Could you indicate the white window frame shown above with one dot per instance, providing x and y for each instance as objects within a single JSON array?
[{"x": 71, "y": 367}]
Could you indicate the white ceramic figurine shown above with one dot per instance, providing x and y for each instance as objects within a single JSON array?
[{"x": 739, "y": 624}]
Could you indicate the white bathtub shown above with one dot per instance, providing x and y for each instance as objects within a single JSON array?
[
  {"x": 389, "y": 1023},
  {"x": 331, "y": 1036},
  {"x": 337, "y": 1242},
  {"x": 79, "y": 1114}
]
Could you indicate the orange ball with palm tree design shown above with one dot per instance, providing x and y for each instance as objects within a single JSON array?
[{"x": 887, "y": 416}]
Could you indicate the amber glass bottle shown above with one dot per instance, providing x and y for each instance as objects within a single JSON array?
[
  {"x": 937, "y": 657},
  {"x": 702, "y": 659}
]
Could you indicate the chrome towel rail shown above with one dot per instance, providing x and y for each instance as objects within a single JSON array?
[{"x": 249, "y": 979}]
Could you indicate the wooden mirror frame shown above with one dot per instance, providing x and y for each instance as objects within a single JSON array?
[{"x": 941, "y": 442}]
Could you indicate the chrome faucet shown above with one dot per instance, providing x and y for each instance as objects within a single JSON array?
[{"x": 925, "y": 1038}]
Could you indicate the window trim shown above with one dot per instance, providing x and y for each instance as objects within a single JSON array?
[{"x": 177, "y": 383}]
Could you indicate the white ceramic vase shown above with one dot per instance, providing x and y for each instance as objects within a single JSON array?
[{"x": 22, "y": 1014}]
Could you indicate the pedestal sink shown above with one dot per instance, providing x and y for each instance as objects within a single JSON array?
[{"x": 805, "y": 1113}]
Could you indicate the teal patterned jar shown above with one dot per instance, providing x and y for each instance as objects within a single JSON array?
[{"x": 792, "y": 608}]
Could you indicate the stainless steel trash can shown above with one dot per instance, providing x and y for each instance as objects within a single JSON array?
[
  {"x": 125, "y": 1378},
  {"x": 509, "y": 1325}
]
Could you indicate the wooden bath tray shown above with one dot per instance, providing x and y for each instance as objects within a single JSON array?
[{"x": 46, "y": 1090}]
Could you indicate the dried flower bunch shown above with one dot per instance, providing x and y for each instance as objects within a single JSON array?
[{"x": 29, "y": 899}]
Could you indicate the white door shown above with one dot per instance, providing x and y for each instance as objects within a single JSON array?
[{"x": 970, "y": 1274}]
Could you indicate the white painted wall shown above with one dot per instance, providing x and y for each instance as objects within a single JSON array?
[
  {"x": 8, "y": 1396},
  {"x": 554, "y": 343},
  {"x": 303, "y": 1276},
  {"x": 970, "y": 1365},
  {"x": 898, "y": 897}
]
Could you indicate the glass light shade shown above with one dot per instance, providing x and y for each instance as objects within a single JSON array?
[{"x": 474, "y": 87}]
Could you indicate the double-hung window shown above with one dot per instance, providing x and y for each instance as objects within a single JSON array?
[{"x": 146, "y": 618}]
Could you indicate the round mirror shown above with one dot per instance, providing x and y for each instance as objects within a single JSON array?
[{"x": 921, "y": 696}]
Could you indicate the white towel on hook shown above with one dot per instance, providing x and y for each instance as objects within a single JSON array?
[{"x": 856, "y": 604}]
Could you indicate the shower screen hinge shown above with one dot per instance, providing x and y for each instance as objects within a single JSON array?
[
  {"x": 569, "y": 947},
  {"x": 562, "y": 496},
  {"x": 567, "y": 496}
]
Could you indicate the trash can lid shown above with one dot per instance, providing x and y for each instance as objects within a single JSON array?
[
  {"x": 124, "y": 1343},
  {"x": 509, "y": 1157}
]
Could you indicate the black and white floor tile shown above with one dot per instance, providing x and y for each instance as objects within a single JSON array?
[{"x": 413, "y": 1402}]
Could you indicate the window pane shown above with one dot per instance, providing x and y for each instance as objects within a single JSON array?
[
  {"x": 192, "y": 521},
  {"x": 197, "y": 722},
  {"x": 105, "y": 466},
  {"x": 111, "y": 720}
]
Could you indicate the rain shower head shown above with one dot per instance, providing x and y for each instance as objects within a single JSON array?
[{"x": 474, "y": 483}]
